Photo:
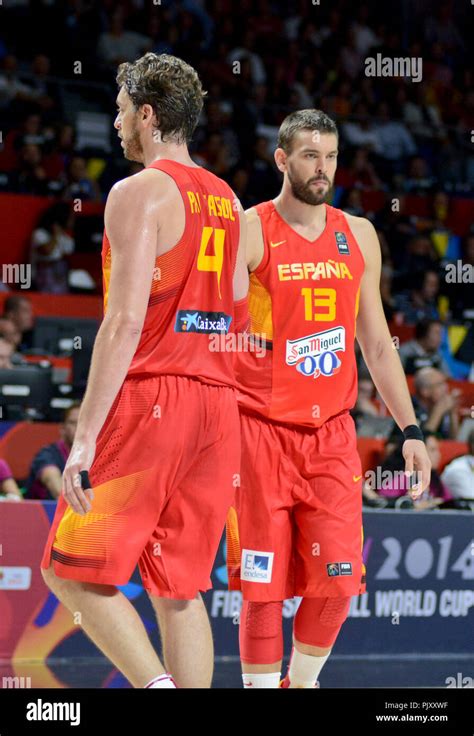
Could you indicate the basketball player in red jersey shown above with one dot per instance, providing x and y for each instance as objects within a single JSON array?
[
  {"x": 158, "y": 429},
  {"x": 297, "y": 530}
]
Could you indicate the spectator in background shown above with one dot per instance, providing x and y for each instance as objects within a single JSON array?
[
  {"x": 370, "y": 419},
  {"x": 340, "y": 102},
  {"x": 78, "y": 184},
  {"x": 436, "y": 407},
  {"x": 58, "y": 159},
  {"x": 437, "y": 494},
  {"x": 6, "y": 353},
  {"x": 14, "y": 93},
  {"x": 240, "y": 182},
  {"x": 423, "y": 119},
  {"x": 361, "y": 131},
  {"x": 46, "y": 89},
  {"x": 305, "y": 88},
  {"x": 460, "y": 293},
  {"x": 419, "y": 179},
  {"x": 45, "y": 479},
  {"x": 214, "y": 155},
  {"x": 351, "y": 58},
  {"x": 423, "y": 350},
  {"x": 30, "y": 132},
  {"x": 18, "y": 309},
  {"x": 365, "y": 404},
  {"x": 364, "y": 36},
  {"x": 9, "y": 490},
  {"x": 10, "y": 332},
  {"x": 362, "y": 172},
  {"x": 395, "y": 143},
  {"x": 450, "y": 161},
  {"x": 459, "y": 474},
  {"x": 263, "y": 173},
  {"x": 247, "y": 52},
  {"x": 388, "y": 300},
  {"x": 50, "y": 246},
  {"x": 117, "y": 44},
  {"x": 351, "y": 202},
  {"x": 420, "y": 254},
  {"x": 421, "y": 302},
  {"x": 30, "y": 178}
]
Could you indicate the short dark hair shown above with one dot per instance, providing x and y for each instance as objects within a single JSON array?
[
  {"x": 315, "y": 120},
  {"x": 12, "y": 303},
  {"x": 423, "y": 327},
  {"x": 170, "y": 86}
]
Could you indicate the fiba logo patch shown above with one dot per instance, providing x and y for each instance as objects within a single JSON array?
[
  {"x": 342, "y": 244},
  {"x": 256, "y": 567},
  {"x": 339, "y": 568}
]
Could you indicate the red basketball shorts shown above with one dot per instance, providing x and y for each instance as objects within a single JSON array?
[
  {"x": 164, "y": 477},
  {"x": 296, "y": 528}
]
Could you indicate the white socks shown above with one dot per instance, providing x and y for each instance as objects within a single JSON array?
[
  {"x": 265, "y": 679},
  {"x": 304, "y": 669},
  {"x": 161, "y": 681}
]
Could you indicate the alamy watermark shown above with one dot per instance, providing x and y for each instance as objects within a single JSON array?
[
  {"x": 241, "y": 342},
  {"x": 17, "y": 273},
  {"x": 383, "y": 66}
]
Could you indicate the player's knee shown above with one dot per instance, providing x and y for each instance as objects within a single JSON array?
[
  {"x": 261, "y": 633},
  {"x": 319, "y": 620},
  {"x": 262, "y": 620},
  {"x": 175, "y": 605}
]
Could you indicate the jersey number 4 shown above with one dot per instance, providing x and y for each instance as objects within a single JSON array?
[{"x": 206, "y": 262}]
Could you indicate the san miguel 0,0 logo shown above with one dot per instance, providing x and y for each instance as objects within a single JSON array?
[{"x": 316, "y": 355}]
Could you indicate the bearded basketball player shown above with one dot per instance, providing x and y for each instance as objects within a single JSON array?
[
  {"x": 158, "y": 431},
  {"x": 297, "y": 525}
]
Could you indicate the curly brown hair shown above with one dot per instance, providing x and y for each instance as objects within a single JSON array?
[{"x": 171, "y": 87}]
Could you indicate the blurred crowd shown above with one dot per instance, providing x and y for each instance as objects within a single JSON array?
[{"x": 260, "y": 60}]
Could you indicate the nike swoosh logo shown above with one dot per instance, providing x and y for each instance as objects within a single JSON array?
[
  {"x": 356, "y": 478},
  {"x": 274, "y": 245}
]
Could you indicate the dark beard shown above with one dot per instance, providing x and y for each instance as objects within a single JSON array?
[
  {"x": 304, "y": 193},
  {"x": 133, "y": 150}
]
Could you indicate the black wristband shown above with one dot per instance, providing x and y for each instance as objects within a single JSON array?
[{"x": 413, "y": 432}]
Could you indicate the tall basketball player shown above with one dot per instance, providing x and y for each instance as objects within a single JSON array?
[
  {"x": 314, "y": 288},
  {"x": 158, "y": 429}
]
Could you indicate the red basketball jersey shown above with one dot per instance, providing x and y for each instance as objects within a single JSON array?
[
  {"x": 191, "y": 297},
  {"x": 303, "y": 300}
]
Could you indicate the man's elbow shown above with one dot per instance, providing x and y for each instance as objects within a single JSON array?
[
  {"x": 125, "y": 324},
  {"x": 374, "y": 350}
]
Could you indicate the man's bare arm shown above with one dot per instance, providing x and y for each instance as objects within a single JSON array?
[
  {"x": 132, "y": 225},
  {"x": 373, "y": 334},
  {"x": 241, "y": 275},
  {"x": 377, "y": 348},
  {"x": 51, "y": 477},
  {"x": 131, "y": 221},
  {"x": 255, "y": 246}
]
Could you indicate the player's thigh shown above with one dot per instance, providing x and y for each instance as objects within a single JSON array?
[
  {"x": 178, "y": 558},
  {"x": 263, "y": 512},
  {"x": 328, "y": 543}
]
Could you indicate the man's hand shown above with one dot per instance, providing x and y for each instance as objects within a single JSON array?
[
  {"x": 416, "y": 459},
  {"x": 80, "y": 458}
]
